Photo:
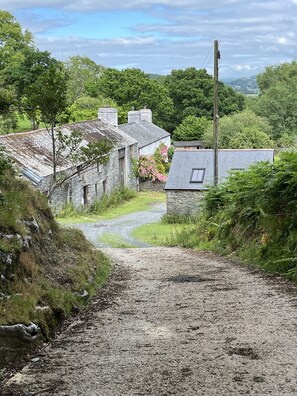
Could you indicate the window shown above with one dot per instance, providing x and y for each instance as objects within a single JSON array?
[
  {"x": 197, "y": 175},
  {"x": 86, "y": 195},
  {"x": 104, "y": 186}
]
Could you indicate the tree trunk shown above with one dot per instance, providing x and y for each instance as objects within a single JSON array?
[{"x": 54, "y": 152}]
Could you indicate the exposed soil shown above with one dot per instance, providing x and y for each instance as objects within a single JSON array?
[{"x": 173, "y": 322}]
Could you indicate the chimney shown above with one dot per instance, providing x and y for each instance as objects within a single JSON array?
[
  {"x": 134, "y": 116},
  {"x": 109, "y": 115},
  {"x": 146, "y": 115}
]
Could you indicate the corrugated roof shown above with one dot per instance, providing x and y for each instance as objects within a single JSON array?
[
  {"x": 184, "y": 162},
  {"x": 144, "y": 132},
  {"x": 33, "y": 150}
]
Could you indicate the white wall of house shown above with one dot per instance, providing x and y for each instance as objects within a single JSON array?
[{"x": 151, "y": 148}]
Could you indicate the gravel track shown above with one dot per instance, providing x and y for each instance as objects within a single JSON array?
[
  {"x": 174, "y": 322},
  {"x": 122, "y": 226}
]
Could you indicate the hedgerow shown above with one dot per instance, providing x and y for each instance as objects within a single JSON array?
[{"x": 254, "y": 214}]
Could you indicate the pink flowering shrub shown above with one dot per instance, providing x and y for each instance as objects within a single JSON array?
[{"x": 146, "y": 169}]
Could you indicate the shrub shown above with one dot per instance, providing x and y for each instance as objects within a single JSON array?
[
  {"x": 145, "y": 168},
  {"x": 254, "y": 214}
]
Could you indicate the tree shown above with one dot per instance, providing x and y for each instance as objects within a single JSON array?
[
  {"x": 191, "y": 128},
  {"x": 50, "y": 97},
  {"x": 235, "y": 128},
  {"x": 250, "y": 138},
  {"x": 192, "y": 93},
  {"x": 13, "y": 42},
  {"x": 272, "y": 75},
  {"x": 48, "y": 94},
  {"x": 84, "y": 75},
  {"x": 8, "y": 118},
  {"x": 24, "y": 77},
  {"x": 279, "y": 105},
  {"x": 86, "y": 108},
  {"x": 71, "y": 147},
  {"x": 278, "y": 98},
  {"x": 132, "y": 88}
]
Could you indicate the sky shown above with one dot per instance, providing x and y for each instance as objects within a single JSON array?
[{"x": 158, "y": 36}]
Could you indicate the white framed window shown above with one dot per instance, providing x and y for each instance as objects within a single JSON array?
[{"x": 197, "y": 175}]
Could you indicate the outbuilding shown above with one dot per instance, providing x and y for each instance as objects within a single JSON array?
[{"x": 192, "y": 172}]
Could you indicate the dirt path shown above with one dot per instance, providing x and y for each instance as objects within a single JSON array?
[
  {"x": 122, "y": 226},
  {"x": 174, "y": 322}
]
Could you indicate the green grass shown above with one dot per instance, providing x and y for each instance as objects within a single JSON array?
[
  {"x": 141, "y": 202},
  {"x": 24, "y": 125},
  {"x": 114, "y": 241},
  {"x": 160, "y": 234}
]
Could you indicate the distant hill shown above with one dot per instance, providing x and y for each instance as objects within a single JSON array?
[
  {"x": 159, "y": 77},
  {"x": 244, "y": 85}
]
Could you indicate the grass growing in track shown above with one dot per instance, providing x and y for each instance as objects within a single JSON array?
[
  {"x": 114, "y": 241},
  {"x": 160, "y": 234},
  {"x": 141, "y": 202}
]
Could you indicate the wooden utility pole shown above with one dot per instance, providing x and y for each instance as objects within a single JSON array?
[{"x": 215, "y": 112}]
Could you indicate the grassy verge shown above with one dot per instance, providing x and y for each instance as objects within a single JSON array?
[
  {"x": 160, "y": 234},
  {"x": 114, "y": 241},
  {"x": 47, "y": 272},
  {"x": 141, "y": 201},
  {"x": 47, "y": 294},
  {"x": 252, "y": 216}
]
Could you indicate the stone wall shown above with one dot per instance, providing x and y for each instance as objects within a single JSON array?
[
  {"x": 88, "y": 186},
  {"x": 148, "y": 185},
  {"x": 184, "y": 202}
]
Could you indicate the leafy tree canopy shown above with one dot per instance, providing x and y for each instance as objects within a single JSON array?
[
  {"x": 191, "y": 128},
  {"x": 278, "y": 99},
  {"x": 25, "y": 76},
  {"x": 244, "y": 129},
  {"x": 192, "y": 93},
  {"x": 84, "y": 75},
  {"x": 12, "y": 40},
  {"x": 49, "y": 92},
  {"x": 250, "y": 138},
  {"x": 132, "y": 88},
  {"x": 86, "y": 108},
  {"x": 272, "y": 75}
]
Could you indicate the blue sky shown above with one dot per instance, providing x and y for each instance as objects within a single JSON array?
[{"x": 160, "y": 35}]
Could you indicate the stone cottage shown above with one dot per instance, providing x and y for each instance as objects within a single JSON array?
[
  {"x": 32, "y": 152},
  {"x": 192, "y": 172},
  {"x": 141, "y": 128}
]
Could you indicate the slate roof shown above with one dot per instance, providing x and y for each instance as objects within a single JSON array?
[
  {"x": 184, "y": 162},
  {"x": 144, "y": 132},
  {"x": 32, "y": 151},
  {"x": 188, "y": 143}
]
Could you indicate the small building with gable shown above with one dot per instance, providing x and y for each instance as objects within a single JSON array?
[{"x": 192, "y": 172}]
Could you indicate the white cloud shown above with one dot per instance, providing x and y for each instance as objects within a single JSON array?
[
  {"x": 243, "y": 67},
  {"x": 262, "y": 32},
  {"x": 282, "y": 40}
]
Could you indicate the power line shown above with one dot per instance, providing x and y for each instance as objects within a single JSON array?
[{"x": 210, "y": 56}]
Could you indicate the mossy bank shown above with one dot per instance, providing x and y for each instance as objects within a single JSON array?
[{"x": 47, "y": 272}]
